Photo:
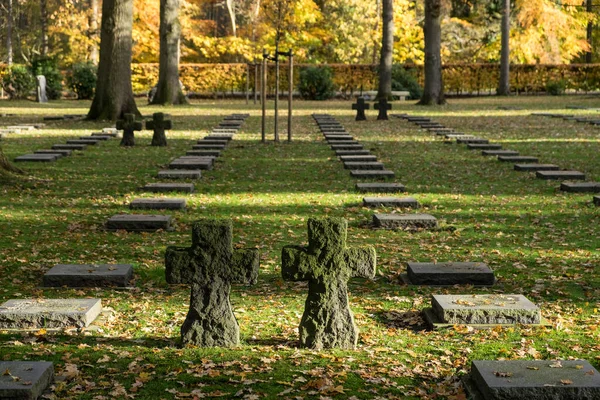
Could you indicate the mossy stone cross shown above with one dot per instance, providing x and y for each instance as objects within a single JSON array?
[
  {"x": 159, "y": 124},
  {"x": 211, "y": 266},
  {"x": 128, "y": 125},
  {"x": 327, "y": 264},
  {"x": 383, "y": 106},
  {"x": 360, "y": 106}
]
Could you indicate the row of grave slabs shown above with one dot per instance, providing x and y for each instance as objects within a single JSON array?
[{"x": 488, "y": 379}]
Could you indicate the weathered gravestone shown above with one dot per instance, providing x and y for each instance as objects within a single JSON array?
[
  {"x": 24, "y": 379},
  {"x": 49, "y": 157},
  {"x": 536, "y": 167},
  {"x": 360, "y": 106},
  {"x": 327, "y": 264},
  {"x": 405, "y": 202},
  {"x": 532, "y": 380},
  {"x": 158, "y": 204},
  {"x": 41, "y": 89},
  {"x": 48, "y": 313},
  {"x": 180, "y": 174},
  {"x": 482, "y": 310},
  {"x": 159, "y": 124},
  {"x": 211, "y": 266},
  {"x": 139, "y": 223},
  {"x": 374, "y": 187},
  {"x": 404, "y": 221},
  {"x": 129, "y": 125},
  {"x": 89, "y": 275},
  {"x": 169, "y": 187},
  {"x": 383, "y": 106},
  {"x": 572, "y": 175},
  {"x": 449, "y": 273},
  {"x": 580, "y": 187}
]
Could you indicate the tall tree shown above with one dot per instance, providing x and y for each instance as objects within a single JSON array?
[
  {"x": 168, "y": 90},
  {"x": 231, "y": 10},
  {"x": 114, "y": 94},
  {"x": 504, "y": 84},
  {"x": 9, "y": 32},
  {"x": 44, "y": 27},
  {"x": 590, "y": 32},
  {"x": 94, "y": 31},
  {"x": 387, "y": 50},
  {"x": 433, "y": 91}
]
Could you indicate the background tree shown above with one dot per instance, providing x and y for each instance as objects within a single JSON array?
[
  {"x": 504, "y": 84},
  {"x": 114, "y": 95},
  {"x": 6, "y": 166},
  {"x": 387, "y": 49},
  {"x": 433, "y": 91},
  {"x": 168, "y": 90}
]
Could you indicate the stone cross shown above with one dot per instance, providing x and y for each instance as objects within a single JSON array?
[
  {"x": 159, "y": 124},
  {"x": 360, "y": 106},
  {"x": 211, "y": 266},
  {"x": 327, "y": 264},
  {"x": 383, "y": 106},
  {"x": 41, "y": 89},
  {"x": 129, "y": 125}
]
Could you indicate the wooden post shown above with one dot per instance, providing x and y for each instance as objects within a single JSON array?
[
  {"x": 247, "y": 83},
  {"x": 290, "y": 93},
  {"x": 276, "y": 116},
  {"x": 255, "y": 81},
  {"x": 263, "y": 95}
]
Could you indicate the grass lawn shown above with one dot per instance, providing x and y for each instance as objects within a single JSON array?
[{"x": 541, "y": 242}]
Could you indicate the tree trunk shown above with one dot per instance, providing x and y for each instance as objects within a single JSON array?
[
  {"x": 433, "y": 92},
  {"x": 44, "y": 26},
  {"x": 114, "y": 94},
  {"x": 504, "y": 84},
  {"x": 387, "y": 50},
  {"x": 94, "y": 31},
  {"x": 6, "y": 166},
  {"x": 376, "y": 30},
  {"x": 9, "y": 26},
  {"x": 231, "y": 10},
  {"x": 590, "y": 32},
  {"x": 168, "y": 90}
]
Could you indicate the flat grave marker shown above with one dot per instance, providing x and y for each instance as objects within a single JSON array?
[
  {"x": 554, "y": 175},
  {"x": 347, "y": 147},
  {"x": 404, "y": 221},
  {"x": 506, "y": 153},
  {"x": 158, "y": 204},
  {"x": 380, "y": 187},
  {"x": 48, "y": 313},
  {"x": 69, "y": 146},
  {"x": 367, "y": 165},
  {"x": 518, "y": 159},
  {"x": 352, "y": 158},
  {"x": 404, "y": 202},
  {"x": 352, "y": 152},
  {"x": 139, "y": 222},
  {"x": 37, "y": 157},
  {"x": 86, "y": 142},
  {"x": 88, "y": 275},
  {"x": 180, "y": 174},
  {"x": 169, "y": 187},
  {"x": 194, "y": 163},
  {"x": 62, "y": 153},
  {"x": 532, "y": 380},
  {"x": 472, "y": 141},
  {"x": 208, "y": 147},
  {"x": 206, "y": 153},
  {"x": 25, "y": 379},
  {"x": 580, "y": 187},
  {"x": 449, "y": 273},
  {"x": 488, "y": 146},
  {"x": 536, "y": 167},
  {"x": 367, "y": 173},
  {"x": 96, "y": 138}
]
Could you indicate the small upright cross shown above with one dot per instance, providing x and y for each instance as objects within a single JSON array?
[
  {"x": 211, "y": 266},
  {"x": 383, "y": 106},
  {"x": 360, "y": 106},
  {"x": 128, "y": 125},
  {"x": 159, "y": 124},
  {"x": 327, "y": 264}
]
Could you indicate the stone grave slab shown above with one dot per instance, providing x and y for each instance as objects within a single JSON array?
[
  {"x": 139, "y": 222},
  {"x": 342, "y": 142},
  {"x": 223, "y": 137},
  {"x": 421, "y": 119},
  {"x": 572, "y": 175},
  {"x": 536, "y": 167},
  {"x": 22, "y": 127},
  {"x": 208, "y": 147},
  {"x": 449, "y": 273},
  {"x": 69, "y": 146},
  {"x": 195, "y": 163},
  {"x": 211, "y": 141},
  {"x": 596, "y": 200},
  {"x": 48, "y": 313},
  {"x": 374, "y": 187},
  {"x": 169, "y": 187},
  {"x": 532, "y": 380},
  {"x": 86, "y": 142},
  {"x": 369, "y": 165},
  {"x": 472, "y": 141},
  {"x": 180, "y": 174},
  {"x": 404, "y": 202},
  {"x": 106, "y": 134},
  {"x": 158, "y": 204},
  {"x": 62, "y": 153},
  {"x": 362, "y": 152},
  {"x": 37, "y": 157},
  {"x": 518, "y": 159},
  {"x": 347, "y": 147},
  {"x": 482, "y": 310},
  {"x": 580, "y": 187},
  {"x": 458, "y": 136},
  {"x": 505, "y": 153},
  {"x": 96, "y": 138},
  {"x": 25, "y": 379},
  {"x": 337, "y": 138},
  {"x": 358, "y": 158},
  {"x": 88, "y": 275},
  {"x": 404, "y": 221},
  {"x": 488, "y": 146},
  {"x": 370, "y": 173},
  {"x": 224, "y": 131},
  {"x": 205, "y": 153}
]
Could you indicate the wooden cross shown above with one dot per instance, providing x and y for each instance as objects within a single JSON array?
[
  {"x": 360, "y": 106},
  {"x": 211, "y": 266},
  {"x": 327, "y": 264},
  {"x": 383, "y": 106},
  {"x": 128, "y": 126},
  {"x": 159, "y": 124}
]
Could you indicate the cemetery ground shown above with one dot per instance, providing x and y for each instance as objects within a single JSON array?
[{"x": 541, "y": 242}]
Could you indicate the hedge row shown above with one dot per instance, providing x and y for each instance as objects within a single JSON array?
[{"x": 458, "y": 78}]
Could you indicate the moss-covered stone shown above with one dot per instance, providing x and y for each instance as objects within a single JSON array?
[
  {"x": 327, "y": 264},
  {"x": 211, "y": 266}
]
